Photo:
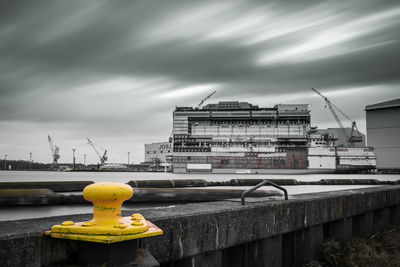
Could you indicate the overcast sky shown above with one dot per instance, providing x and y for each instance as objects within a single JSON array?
[{"x": 114, "y": 71}]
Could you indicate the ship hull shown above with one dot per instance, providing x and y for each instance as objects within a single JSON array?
[{"x": 292, "y": 161}]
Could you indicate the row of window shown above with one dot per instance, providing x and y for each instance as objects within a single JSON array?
[
  {"x": 154, "y": 152},
  {"x": 195, "y": 158},
  {"x": 298, "y": 122}
]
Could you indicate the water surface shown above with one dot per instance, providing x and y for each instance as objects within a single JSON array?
[
  {"x": 123, "y": 177},
  {"x": 16, "y": 213}
]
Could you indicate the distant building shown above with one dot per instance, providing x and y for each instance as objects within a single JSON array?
[
  {"x": 340, "y": 141},
  {"x": 239, "y": 137},
  {"x": 113, "y": 166},
  {"x": 156, "y": 152},
  {"x": 383, "y": 133},
  {"x": 141, "y": 167},
  {"x": 229, "y": 105}
]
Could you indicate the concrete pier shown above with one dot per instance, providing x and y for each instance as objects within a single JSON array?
[
  {"x": 340, "y": 230},
  {"x": 264, "y": 232}
]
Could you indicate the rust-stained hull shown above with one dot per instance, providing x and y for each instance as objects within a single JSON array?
[{"x": 290, "y": 161}]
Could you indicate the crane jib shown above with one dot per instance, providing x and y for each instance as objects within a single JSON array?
[{"x": 350, "y": 139}]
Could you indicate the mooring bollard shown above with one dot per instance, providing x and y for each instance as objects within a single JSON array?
[{"x": 100, "y": 240}]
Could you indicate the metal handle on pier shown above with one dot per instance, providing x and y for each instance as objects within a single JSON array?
[{"x": 243, "y": 196}]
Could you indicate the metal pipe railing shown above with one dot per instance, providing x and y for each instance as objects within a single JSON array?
[{"x": 243, "y": 196}]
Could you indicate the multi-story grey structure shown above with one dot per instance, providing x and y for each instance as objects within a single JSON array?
[
  {"x": 341, "y": 138},
  {"x": 238, "y": 137},
  {"x": 231, "y": 136},
  {"x": 157, "y": 152},
  {"x": 383, "y": 133}
]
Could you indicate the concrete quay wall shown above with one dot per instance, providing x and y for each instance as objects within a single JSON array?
[{"x": 264, "y": 232}]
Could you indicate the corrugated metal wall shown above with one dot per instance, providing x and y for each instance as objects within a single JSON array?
[{"x": 383, "y": 133}]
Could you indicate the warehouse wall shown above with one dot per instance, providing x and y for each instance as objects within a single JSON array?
[{"x": 383, "y": 133}]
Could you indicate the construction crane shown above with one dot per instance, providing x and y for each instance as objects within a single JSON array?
[
  {"x": 54, "y": 151},
  {"x": 204, "y": 99},
  {"x": 103, "y": 158},
  {"x": 350, "y": 139}
]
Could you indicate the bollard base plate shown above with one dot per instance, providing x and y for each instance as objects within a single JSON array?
[
  {"x": 107, "y": 239},
  {"x": 124, "y": 226}
]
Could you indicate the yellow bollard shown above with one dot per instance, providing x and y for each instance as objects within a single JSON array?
[
  {"x": 107, "y": 225},
  {"x": 107, "y": 199}
]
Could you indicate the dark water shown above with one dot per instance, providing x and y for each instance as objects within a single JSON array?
[{"x": 15, "y": 213}]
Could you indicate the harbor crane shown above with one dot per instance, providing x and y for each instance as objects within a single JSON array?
[
  {"x": 54, "y": 150},
  {"x": 103, "y": 158},
  {"x": 204, "y": 99},
  {"x": 350, "y": 138}
]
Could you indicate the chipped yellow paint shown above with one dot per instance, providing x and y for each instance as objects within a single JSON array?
[
  {"x": 107, "y": 239},
  {"x": 107, "y": 225}
]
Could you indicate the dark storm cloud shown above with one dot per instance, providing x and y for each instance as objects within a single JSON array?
[
  {"x": 103, "y": 37},
  {"x": 97, "y": 67}
]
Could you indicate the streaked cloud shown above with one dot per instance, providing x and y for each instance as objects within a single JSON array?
[
  {"x": 115, "y": 70},
  {"x": 337, "y": 39},
  {"x": 191, "y": 90}
]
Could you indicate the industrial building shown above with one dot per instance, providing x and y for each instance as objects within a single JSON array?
[
  {"x": 341, "y": 138},
  {"x": 238, "y": 137},
  {"x": 383, "y": 131},
  {"x": 156, "y": 152}
]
